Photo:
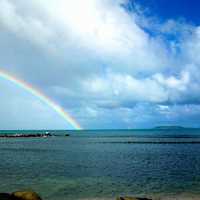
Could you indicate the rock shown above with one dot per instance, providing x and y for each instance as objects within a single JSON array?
[
  {"x": 25, "y": 195},
  {"x": 132, "y": 198},
  {"x": 5, "y": 196}
]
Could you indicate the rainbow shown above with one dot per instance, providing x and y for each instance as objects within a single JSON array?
[{"x": 29, "y": 88}]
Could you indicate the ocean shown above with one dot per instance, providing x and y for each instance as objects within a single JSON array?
[{"x": 103, "y": 164}]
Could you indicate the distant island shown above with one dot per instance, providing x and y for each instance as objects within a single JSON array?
[{"x": 169, "y": 127}]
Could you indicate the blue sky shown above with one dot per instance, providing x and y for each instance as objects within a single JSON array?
[
  {"x": 165, "y": 9},
  {"x": 110, "y": 63}
]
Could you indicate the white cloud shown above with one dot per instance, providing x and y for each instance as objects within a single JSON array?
[
  {"x": 124, "y": 87},
  {"x": 172, "y": 82},
  {"x": 93, "y": 55},
  {"x": 102, "y": 28},
  {"x": 29, "y": 27}
]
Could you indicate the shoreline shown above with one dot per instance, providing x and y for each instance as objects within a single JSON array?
[
  {"x": 156, "y": 197},
  {"x": 31, "y": 195}
]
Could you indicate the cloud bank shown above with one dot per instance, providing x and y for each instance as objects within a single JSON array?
[{"x": 108, "y": 66}]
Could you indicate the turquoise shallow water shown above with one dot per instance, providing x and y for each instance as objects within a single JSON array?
[{"x": 102, "y": 164}]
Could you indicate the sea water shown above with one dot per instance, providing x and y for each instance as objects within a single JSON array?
[{"x": 102, "y": 164}]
